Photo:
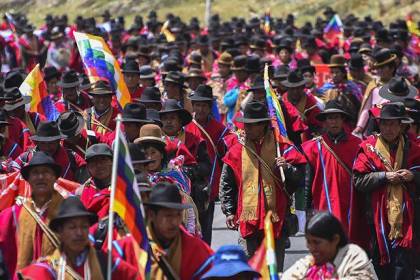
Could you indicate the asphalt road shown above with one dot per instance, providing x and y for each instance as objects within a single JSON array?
[{"x": 223, "y": 236}]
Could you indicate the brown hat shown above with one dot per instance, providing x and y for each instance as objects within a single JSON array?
[
  {"x": 101, "y": 88},
  {"x": 225, "y": 59},
  {"x": 150, "y": 133},
  {"x": 337, "y": 60}
]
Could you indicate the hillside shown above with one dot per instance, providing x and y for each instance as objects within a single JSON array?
[{"x": 303, "y": 10}]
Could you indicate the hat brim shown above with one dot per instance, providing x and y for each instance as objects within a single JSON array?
[
  {"x": 70, "y": 85},
  {"x": 73, "y": 131},
  {"x": 323, "y": 115},
  {"x": 238, "y": 68},
  {"x": 25, "y": 100},
  {"x": 248, "y": 120},
  {"x": 186, "y": 117},
  {"x": 405, "y": 120},
  {"x": 54, "y": 224},
  {"x": 199, "y": 98},
  {"x": 170, "y": 205},
  {"x": 174, "y": 82},
  {"x": 47, "y": 138},
  {"x": 386, "y": 93},
  {"x": 229, "y": 269},
  {"x": 336, "y": 65},
  {"x": 389, "y": 60},
  {"x": 150, "y": 76},
  {"x": 293, "y": 85},
  {"x": 24, "y": 171},
  {"x": 150, "y": 139},
  {"x": 135, "y": 120}
]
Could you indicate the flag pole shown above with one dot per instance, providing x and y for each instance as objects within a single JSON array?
[{"x": 112, "y": 196}]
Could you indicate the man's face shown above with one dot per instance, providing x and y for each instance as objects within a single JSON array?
[
  {"x": 70, "y": 94},
  {"x": 337, "y": 75},
  {"x": 334, "y": 123},
  {"x": 390, "y": 129},
  {"x": 100, "y": 167},
  {"x": 166, "y": 223},
  {"x": 173, "y": 90},
  {"x": 52, "y": 86},
  {"x": 132, "y": 130},
  {"x": 259, "y": 95},
  {"x": 309, "y": 79},
  {"x": 284, "y": 56},
  {"x": 224, "y": 70},
  {"x": 147, "y": 82},
  {"x": 202, "y": 110},
  {"x": 42, "y": 179},
  {"x": 385, "y": 72},
  {"x": 255, "y": 131},
  {"x": 48, "y": 147},
  {"x": 132, "y": 79},
  {"x": 102, "y": 102},
  {"x": 295, "y": 94},
  {"x": 171, "y": 123},
  {"x": 74, "y": 235}
]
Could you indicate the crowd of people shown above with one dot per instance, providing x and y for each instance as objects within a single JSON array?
[{"x": 199, "y": 128}]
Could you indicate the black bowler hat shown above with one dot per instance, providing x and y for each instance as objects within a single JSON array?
[
  {"x": 70, "y": 79},
  {"x": 101, "y": 88},
  {"x": 383, "y": 57},
  {"x": 175, "y": 77},
  {"x": 166, "y": 195},
  {"x": 131, "y": 67},
  {"x": 100, "y": 149},
  {"x": 47, "y": 131},
  {"x": 281, "y": 72},
  {"x": 150, "y": 95},
  {"x": 394, "y": 111},
  {"x": 356, "y": 62},
  {"x": 202, "y": 93},
  {"x": 134, "y": 112},
  {"x": 239, "y": 63},
  {"x": 254, "y": 112},
  {"x": 332, "y": 107},
  {"x": 137, "y": 154},
  {"x": 71, "y": 123},
  {"x": 50, "y": 73},
  {"x": 304, "y": 65},
  {"x": 69, "y": 208},
  {"x": 253, "y": 64},
  {"x": 146, "y": 72},
  {"x": 13, "y": 79},
  {"x": 294, "y": 79},
  {"x": 153, "y": 115},
  {"x": 397, "y": 89},
  {"x": 172, "y": 106},
  {"x": 14, "y": 99},
  {"x": 40, "y": 158},
  {"x": 258, "y": 84}
]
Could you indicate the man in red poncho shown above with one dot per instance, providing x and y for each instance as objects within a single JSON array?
[
  {"x": 386, "y": 174},
  {"x": 329, "y": 160}
]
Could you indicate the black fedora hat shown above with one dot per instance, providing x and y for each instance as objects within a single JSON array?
[
  {"x": 294, "y": 79},
  {"x": 253, "y": 64},
  {"x": 166, "y": 195},
  {"x": 304, "y": 65},
  {"x": 14, "y": 99},
  {"x": 356, "y": 62},
  {"x": 40, "y": 158},
  {"x": 172, "y": 106},
  {"x": 70, "y": 79},
  {"x": 71, "y": 123},
  {"x": 258, "y": 84},
  {"x": 51, "y": 72},
  {"x": 281, "y": 72},
  {"x": 137, "y": 154},
  {"x": 131, "y": 67},
  {"x": 134, "y": 112},
  {"x": 202, "y": 93},
  {"x": 151, "y": 95},
  {"x": 101, "y": 88},
  {"x": 383, "y": 57},
  {"x": 146, "y": 72},
  {"x": 153, "y": 115},
  {"x": 239, "y": 63},
  {"x": 71, "y": 207},
  {"x": 394, "y": 111},
  {"x": 47, "y": 131},
  {"x": 332, "y": 107},
  {"x": 196, "y": 73},
  {"x": 100, "y": 149},
  {"x": 254, "y": 112},
  {"x": 397, "y": 89},
  {"x": 175, "y": 77}
]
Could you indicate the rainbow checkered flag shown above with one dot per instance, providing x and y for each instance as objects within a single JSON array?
[
  {"x": 126, "y": 199},
  {"x": 100, "y": 64}
]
